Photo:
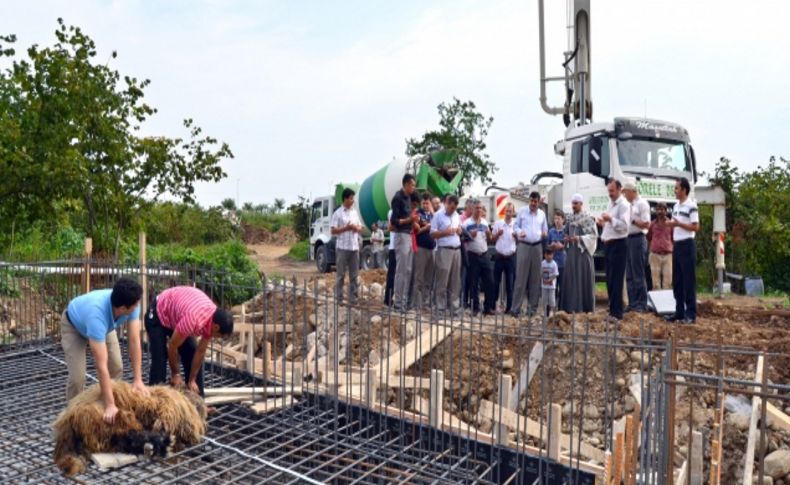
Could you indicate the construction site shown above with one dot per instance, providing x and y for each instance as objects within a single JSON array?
[{"x": 312, "y": 391}]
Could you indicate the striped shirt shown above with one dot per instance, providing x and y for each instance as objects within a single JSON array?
[
  {"x": 687, "y": 213},
  {"x": 186, "y": 310}
]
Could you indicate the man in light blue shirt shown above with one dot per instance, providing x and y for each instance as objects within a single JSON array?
[
  {"x": 445, "y": 229},
  {"x": 530, "y": 229},
  {"x": 91, "y": 320}
]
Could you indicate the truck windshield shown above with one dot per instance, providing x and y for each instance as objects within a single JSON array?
[{"x": 657, "y": 156}]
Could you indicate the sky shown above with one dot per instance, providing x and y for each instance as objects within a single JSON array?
[{"x": 309, "y": 93}]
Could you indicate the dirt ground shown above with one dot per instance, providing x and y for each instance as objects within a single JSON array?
[{"x": 273, "y": 260}]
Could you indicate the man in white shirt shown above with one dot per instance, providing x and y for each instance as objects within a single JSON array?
[
  {"x": 504, "y": 238},
  {"x": 685, "y": 224},
  {"x": 479, "y": 269},
  {"x": 531, "y": 229},
  {"x": 636, "y": 247},
  {"x": 346, "y": 228},
  {"x": 615, "y": 222},
  {"x": 446, "y": 229}
]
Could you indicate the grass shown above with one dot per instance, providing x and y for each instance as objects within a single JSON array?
[{"x": 300, "y": 251}]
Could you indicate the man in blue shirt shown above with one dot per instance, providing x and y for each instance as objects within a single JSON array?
[{"x": 91, "y": 320}]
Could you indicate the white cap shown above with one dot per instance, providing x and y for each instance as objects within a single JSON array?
[{"x": 577, "y": 197}]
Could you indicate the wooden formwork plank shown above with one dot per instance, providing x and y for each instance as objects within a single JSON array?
[
  {"x": 554, "y": 419},
  {"x": 617, "y": 471},
  {"x": 247, "y": 390},
  {"x": 528, "y": 371},
  {"x": 777, "y": 417},
  {"x": 263, "y": 328},
  {"x": 435, "y": 417},
  {"x": 271, "y": 405},
  {"x": 752, "y": 436},
  {"x": 682, "y": 477},
  {"x": 532, "y": 428},
  {"x": 695, "y": 458},
  {"x": 414, "y": 350},
  {"x": 629, "y": 449}
]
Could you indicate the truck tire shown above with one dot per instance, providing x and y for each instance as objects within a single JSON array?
[
  {"x": 322, "y": 259},
  {"x": 366, "y": 258}
]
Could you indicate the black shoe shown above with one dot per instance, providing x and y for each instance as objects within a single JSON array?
[
  {"x": 673, "y": 318},
  {"x": 689, "y": 321}
]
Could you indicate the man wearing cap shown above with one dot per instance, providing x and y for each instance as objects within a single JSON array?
[
  {"x": 578, "y": 285},
  {"x": 685, "y": 223},
  {"x": 531, "y": 229},
  {"x": 615, "y": 222},
  {"x": 173, "y": 321},
  {"x": 636, "y": 247}
]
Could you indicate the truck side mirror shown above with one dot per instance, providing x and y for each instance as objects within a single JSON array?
[{"x": 595, "y": 149}]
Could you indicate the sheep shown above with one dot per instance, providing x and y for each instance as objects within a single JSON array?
[{"x": 166, "y": 420}]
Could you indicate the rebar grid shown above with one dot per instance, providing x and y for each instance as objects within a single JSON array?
[{"x": 307, "y": 440}]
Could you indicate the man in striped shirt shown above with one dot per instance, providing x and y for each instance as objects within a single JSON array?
[{"x": 174, "y": 319}]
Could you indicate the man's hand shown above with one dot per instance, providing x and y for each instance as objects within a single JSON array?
[
  {"x": 177, "y": 381},
  {"x": 193, "y": 387},
  {"x": 138, "y": 386},
  {"x": 606, "y": 217},
  {"x": 671, "y": 223},
  {"x": 544, "y": 234},
  {"x": 109, "y": 414},
  {"x": 415, "y": 218},
  {"x": 574, "y": 239},
  {"x": 599, "y": 221},
  {"x": 458, "y": 230},
  {"x": 473, "y": 233}
]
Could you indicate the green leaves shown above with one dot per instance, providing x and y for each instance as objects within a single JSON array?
[
  {"x": 462, "y": 130},
  {"x": 69, "y": 132}
]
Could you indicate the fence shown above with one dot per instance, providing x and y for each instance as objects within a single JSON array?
[{"x": 358, "y": 393}]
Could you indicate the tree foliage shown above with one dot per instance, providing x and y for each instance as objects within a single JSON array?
[
  {"x": 758, "y": 221},
  {"x": 463, "y": 130},
  {"x": 70, "y": 142},
  {"x": 300, "y": 216}
]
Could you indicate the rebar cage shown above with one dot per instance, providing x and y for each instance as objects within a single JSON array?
[{"x": 368, "y": 395}]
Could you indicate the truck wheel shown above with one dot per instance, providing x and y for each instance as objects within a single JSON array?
[
  {"x": 366, "y": 258},
  {"x": 322, "y": 259}
]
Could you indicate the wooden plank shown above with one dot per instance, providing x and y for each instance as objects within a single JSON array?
[
  {"x": 414, "y": 350},
  {"x": 682, "y": 476},
  {"x": 271, "y": 405},
  {"x": 695, "y": 458},
  {"x": 505, "y": 390},
  {"x": 109, "y": 461},
  {"x": 607, "y": 468},
  {"x": 263, "y": 328},
  {"x": 229, "y": 399},
  {"x": 714, "y": 462},
  {"x": 528, "y": 371},
  {"x": 342, "y": 378},
  {"x": 532, "y": 428},
  {"x": 250, "y": 352},
  {"x": 248, "y": 391},
  {"x": 629, "y": 448},
  {"x": 437, "y": 398},
  {"x": 752, "y": 436},
  {"x": 777, "y": 417},
  {"x": 617, "y": 471},
  {"x": 371, "y": 389},
  {"x": 555, "y": 430}
]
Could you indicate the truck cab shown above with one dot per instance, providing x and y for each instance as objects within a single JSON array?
[
  {"x": 652, "y": 153},
  {"x": 322, "y": 249}
]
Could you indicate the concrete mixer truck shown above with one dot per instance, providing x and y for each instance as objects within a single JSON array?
[{"x": 434, "y": 172}]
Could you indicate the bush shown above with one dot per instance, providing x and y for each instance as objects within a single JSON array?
[
  {"x": 224, "y": 271},
  {"x": 186, "y": 224},
  {"x": 300, "y": 251},
  {"x": 46, "y": 242}
]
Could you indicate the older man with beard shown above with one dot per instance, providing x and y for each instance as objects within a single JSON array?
[{"x": 578, "y": 285}]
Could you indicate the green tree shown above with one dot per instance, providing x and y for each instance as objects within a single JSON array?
[
  {"x": 462, "y": 130},
  {"x": 279, "y": 205},
  {"x": 300, "y": 217},
  {"x": 69, "y": 141},
  {"x": 228, "y": 204},
  {"x": 248, "y": 207},
  {"x": 758, "y": 221}
]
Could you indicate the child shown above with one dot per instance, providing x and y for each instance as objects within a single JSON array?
[
  {"x": 557, "y": 243},
  {"x": 548, "y": 277}
]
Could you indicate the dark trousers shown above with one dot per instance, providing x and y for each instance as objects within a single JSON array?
[
  {"x": 684, "y": 278},
  {"x": 615, "y": 253},
  {"x": 504, "y": 265},
  {"x": 561, "y": 271},
  {"x": 636, "y": 282},
  {"x": 465, "y": 278},
  {"x": 391, "y": 265},
  {"x": 479, "y": 272},
  {"x": 158, "y": 337}
]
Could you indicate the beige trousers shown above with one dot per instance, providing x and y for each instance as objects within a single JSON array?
[
  {"x": 74, "y": 346},
  {"x": 661, "y": 270}
]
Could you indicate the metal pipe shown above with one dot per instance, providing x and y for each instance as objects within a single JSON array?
[{"x": 543, "y": 104}]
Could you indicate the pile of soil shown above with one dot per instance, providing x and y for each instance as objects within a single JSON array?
[{"x": 285, "y": 236}]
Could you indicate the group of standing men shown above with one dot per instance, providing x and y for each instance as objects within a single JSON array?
[{"x": 438, "y": 255}]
